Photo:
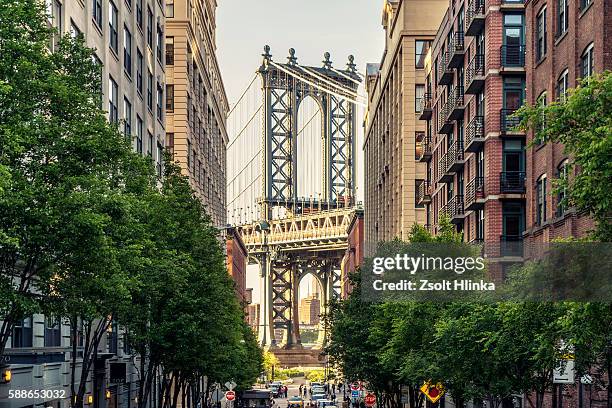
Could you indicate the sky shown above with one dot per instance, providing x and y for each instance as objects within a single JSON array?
[{"x": 312, "y": 27}]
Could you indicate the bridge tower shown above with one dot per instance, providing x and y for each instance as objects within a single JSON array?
[{"x": 282, "y": 264}]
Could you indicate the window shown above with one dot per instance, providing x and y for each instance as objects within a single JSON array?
[
  {"x": 127, "y": 111},
  {"x": 97, "y": 12},
  {"x": 541, "y": 200},
  {"x": 113, "y": 92},
  {"x": 160, "y": 43},
  {"x": 480, "y": 224},
  {"x": 139, "y": 129},
  {"x": 149, "y": 27},
  {"x": 417, "y": 186},
  {"x": 75, "y": 31},
  {"x": 160, "y": 159},
  {"x": 22, "y": 334},
  {"x": 160, "y": 102},
  {"x": 150, "y": 91},
  {"x": 562, "y": 85},
  {"x": 587, "y": 61},
  {"x": 562, "y": 172},
  {"x": 541, "y": 35},
  {"x": 169, "y": 98},
  {"x": 112, "y": 337},
  {"x": 421, "y": 49},
  {"x": 129, "y": 4},
  {"x": 80, "y": 334},
  {"x": 127, "y": 51},
  {"x": 113, "y": 18},
  {"x": 139, "y": 68},
  {"x": 563, "y": 17},
  {"x": 584, "y": 4},
  {"x": 543, "y": 101},
  {"x": 169, "y": 8},
  {"x": 419, "y": 94},
  {"x": 139, "y": 13},
  {"x": 170, "y": 51},
  {"x": 127, "y": 347},
  {"x": 53, "y": 335},
  {"x": 188, "y": 154},
  {"x": 170, "y": 144},
  {"x": 150, "y": 145}
]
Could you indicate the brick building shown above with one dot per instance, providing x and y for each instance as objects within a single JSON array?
[
  {"x": 568, "y": 40},
  {"x": 236, "y": 258},
  {"x": 196, "y": 102},
  {"x": 475, "y": 159},
  {"x": 395, "y": 87}
]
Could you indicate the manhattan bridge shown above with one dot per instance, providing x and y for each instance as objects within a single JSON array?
[{"x": 292, "y": 185}]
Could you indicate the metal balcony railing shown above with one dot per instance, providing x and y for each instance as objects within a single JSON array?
[
  {"x": 456, "y": 48},
  {"x": 513, "y": 56},
  {"x": 425, "y": 108},
  {"x": 512, "y": 182},
  {"x": 424, "y": 148},
  {"x": 454, "y": 157},
  {"x": 453, "y": 209},
  {"x": 508, "y": 123},
  {"x": 423, "y": 193},
  {"x": 456, "y": 104},
  {"x": 474, "y": 191},
  {"x": 474, "y": 17},
  {"x": 445, "y": 76},
  {"x": 474, "y": 74},
  {"x": 511, "y": 245},
  {"x": 474, "y": 135},
  {"x": 444, "y": 125}
]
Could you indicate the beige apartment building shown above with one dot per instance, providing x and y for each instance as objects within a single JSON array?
[
  {"x": 128, "y": 38},
  {"x": 396, "y": 89},
  {"x": 196, "y": 102}
]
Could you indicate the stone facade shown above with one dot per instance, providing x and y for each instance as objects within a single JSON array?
[
  {"x": 394, "y": 87},
  {"x": 196, "y": 102}
]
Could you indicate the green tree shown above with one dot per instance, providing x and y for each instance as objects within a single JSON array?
[{"x": 583, "y": 123}]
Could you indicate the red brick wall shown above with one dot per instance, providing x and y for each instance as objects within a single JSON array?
[
  {"x": 236, "y": 263},
  {"x": 590, "y": 25},
  {"x": 354, "y": 255}
]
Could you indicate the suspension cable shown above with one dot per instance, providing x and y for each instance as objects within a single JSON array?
[
  {"x": 322, "y": 79},
  {"x": 243, "y": 94},
  {"x": 245, "y": 126},
  {"x": 344, "y": 97}
]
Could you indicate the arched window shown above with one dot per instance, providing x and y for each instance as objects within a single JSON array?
[
  {"x": 587, "y": 61},
  {"x": 562, "y": 85},
  {"x": 562, "y": 173},
  {"x": 541, "y": 200}
]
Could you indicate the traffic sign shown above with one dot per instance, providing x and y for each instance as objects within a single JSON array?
[
  {"x": 355, "y": 386},
  {"x": 230, "y": 385},
  {"x": 370, "y": 400},
  {"x": 230, "y": 395},
  {"x": 433, "y": 392},
  {"x": 217, "y": 394},
  {"x": 354, "y": 394}
]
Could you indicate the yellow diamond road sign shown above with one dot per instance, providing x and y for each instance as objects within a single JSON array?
[{"x": 433, "y": 392}]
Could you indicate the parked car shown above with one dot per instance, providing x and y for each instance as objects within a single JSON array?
[
  {"x": 323, "y": 403},
  {"x": 295, "y": 402},
  {"x": 256, "y": 399},
  {"x": 275, "y": 389}
]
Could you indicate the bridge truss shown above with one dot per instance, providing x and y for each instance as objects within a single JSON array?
[{"x": 288, "y": 235}]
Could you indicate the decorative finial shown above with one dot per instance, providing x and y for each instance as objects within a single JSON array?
[
  {"x": 292, "y": 58},
  {"x": 351, "y": 64},
  {"x": 266, "y": 53},
  {"x": 327, "y": 64}
]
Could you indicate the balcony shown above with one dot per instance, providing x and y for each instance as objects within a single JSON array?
[
  {"x": 512, "y": 58},
  {"x": 456, "y": 103},
  {"x": 455, "y": 159},
  {"x": 424, "y": 149},
  {"x": 475, "y": 75},
  {"x": 443, "y": 175},
  {"x": 511, "y": 245},
  {"x": 456, "y": 49},
  {"x": 507, "y": 122},
  {"x": 474, "y": 194},
  {"x": 424, "y": 193},
  {"x": 425, "y": 107},
  {"x": 454, "y": 209},
  {"x": 512, "y": 182},
  {"x": 475, "y": 17},
  {"x": 445, "y": 126},
  {"x": 474, "y": 134},
  {"x": 445, "y": 74}
]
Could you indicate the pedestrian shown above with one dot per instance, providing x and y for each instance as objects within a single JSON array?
[{"x": 300, "y": 390}]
